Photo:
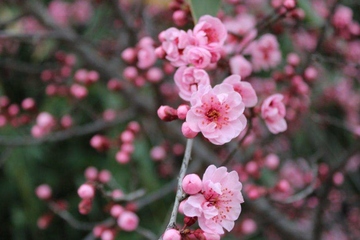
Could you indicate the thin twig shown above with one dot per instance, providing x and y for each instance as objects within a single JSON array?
[
  {"x": 180, "y": 192},
  {"x": 86, "y": 226},
  {"x": 309, "y": 189},
  {"x": 66, "y": 134}
]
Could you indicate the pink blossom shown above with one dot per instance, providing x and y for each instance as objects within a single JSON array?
[
  {"x": 217, "y": 206},
  {"x": 179, "y": 17},
  {"x": 116, "y": 210},
  {"x": 154, "y": 75},
  {"x": 182, "y": 111},
  {"x": 265, "y": 53},
  {"x": 146, "y": 53},
  {"x": 158, "y": 153},
  {"x": 167, "y": 113},
  {"x": 187, "y": 132},
  {"x": 128, "y": 221},
  {"x": 59, "y": 10},
  {"x": 191, "y": 184},
  {"x": 43, "y": 192},
  {"x": 245, "y": 89},
  {"x": 81, "y": 11},
  {"x": 104, "y": 176},
  {"x": 66, "y": 121},
  {"x": 122, "y": 157},
  {"x": 45, "y": 120},
  {"x": 210, "y": 30},
  {"x": 240, "y": 66},
  {"x": 91, "y": 173},
  {"x": 171, "y": 234},
  {"x": 174, "y": 42},
  {"x": 242, "y": 24},
  {"x": 248, "y": 226},
  {"x": 78, "y": 91},
  {"x": 273, "y": 112},
  {"x": 342, "y": 17},
  {"x": 86, "y": 191},
  {"x": 217, "y": 113},
  {"x": 272, "y": 161},
  {"x": 189, "y": 79},
  {"x": 197, "y": 56},
  {"x": 28, "y": 104}
]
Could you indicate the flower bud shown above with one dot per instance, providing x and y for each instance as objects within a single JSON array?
[
  {"x": 43, "y": 192},
  {"x": 91, "y": 173},
  {"x": 116, "y": 210},
  {"x": 85, "y": 206},
  {"x": 167, "y": 113},
  {"x": 187, "y": 132},
  {"x": 128, "y": 221},
  {"x": 86, "y": 191},
  {"x": 171, "y": 234},
  {"x": 158, "y": 153},
  {"x": 192, "y": 184},
  {"x": 182, "y": 111},
  {"x": 104, "y": 176}
]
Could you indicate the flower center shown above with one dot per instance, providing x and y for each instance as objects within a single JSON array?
[{"x": 213, "y": 115}]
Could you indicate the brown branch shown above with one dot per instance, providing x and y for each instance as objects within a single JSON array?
[
  {"x": 270, "y": 215},
  {"x": 86, "y": 226},
  {"x": 66, "y": 134},
  {"x": 327, "y": 185}
]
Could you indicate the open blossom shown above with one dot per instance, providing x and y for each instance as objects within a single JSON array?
[
  {"x": 211, "y": 34},
  {"x": 240, "y": 66},
  {"x": 273, "y": 111},
  {"x": 198, "y": 47},
  {"x": 245, "y": 89},
  {"x": 197, "y": 56},
  {"x": 210, "y": 30},
  {"x": 218, "y": 113},
  {"x": 241, "y": 25},
  {"x": 174, "y": 42},
  {"x": 189, "y": 79},
  {"x": 217, "y": 206},
  {"x": 265, "y": 53}
]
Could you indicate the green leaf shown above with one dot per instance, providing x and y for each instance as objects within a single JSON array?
[
  {"x": 311, "y": 16},
  {"x": 204, "y": 7}
]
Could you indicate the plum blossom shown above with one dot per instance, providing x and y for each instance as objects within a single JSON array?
[
  {"x": 59, "y": 11},
  {"x": 198, "y": 47},
  {"x": 240, "y": 66},
  {"x": 197, "y": 56},
  {"x": 245, "y": 89},
  {"x": 342, "y": 17},
  {"x": 273, "y": 111},
  {"x": 265, "y": 53},
  {"x": 218, "y": 113},
  {"x": 210, "y": 30},
  {"x": 146, "y": 53},
  {"x": 217, "y": 206},
  {"x": 173, "y": 43},
  {"x": 189, "y": 79},
  {"x": 211, "y": 34}
]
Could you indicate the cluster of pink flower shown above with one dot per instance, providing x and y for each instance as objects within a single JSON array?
[
  {"x": 218, "y": 113},
  {"x": 124, "y": 216},
  {"x": 213, "y": 201},
  {"x": 44, "y": 193},
  {"x": 78, "y": 12},
  {"x": 15, "y": 115},
  {"x": 126, "y": 141}
]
